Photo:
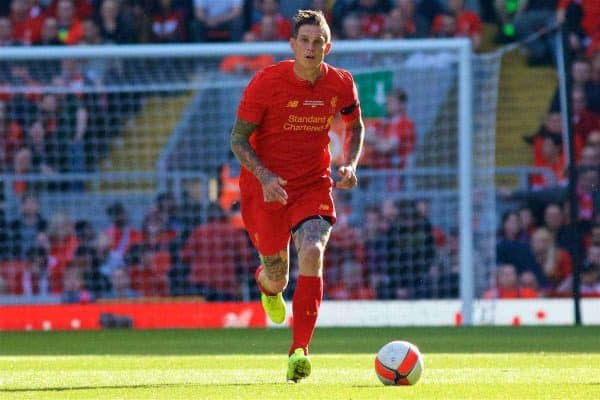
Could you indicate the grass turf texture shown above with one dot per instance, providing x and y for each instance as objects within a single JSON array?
[{"x": 460, "y": 363}]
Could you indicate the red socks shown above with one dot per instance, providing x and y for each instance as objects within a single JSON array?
[{"x": 305, "y": 306}]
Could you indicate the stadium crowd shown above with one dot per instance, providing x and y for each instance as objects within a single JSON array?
[{"x": 185, "y": 248}]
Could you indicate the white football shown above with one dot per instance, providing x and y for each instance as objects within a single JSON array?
[{"x": 399, "y": 363}]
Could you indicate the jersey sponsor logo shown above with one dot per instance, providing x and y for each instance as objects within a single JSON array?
[
  {"x": 292, "y": 104},
  {"x": 313, "y": 103},
  {"x": 307, "y": 123}
]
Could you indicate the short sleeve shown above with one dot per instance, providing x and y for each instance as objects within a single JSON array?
[
  {"x": 350, "y": 104},
  {"x": 254, "y": 101}
]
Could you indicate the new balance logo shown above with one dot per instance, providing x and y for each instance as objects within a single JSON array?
[{"x": 292, "y": 104}]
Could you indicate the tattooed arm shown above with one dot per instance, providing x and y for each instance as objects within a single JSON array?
[
  {"x": 355, "y": 135},
  {"x": 272, "y": 185}
]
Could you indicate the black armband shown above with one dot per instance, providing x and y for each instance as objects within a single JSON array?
[{"x": 349, "y": 109}]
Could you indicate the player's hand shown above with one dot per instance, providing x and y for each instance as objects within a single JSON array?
[
  {"x": 272, "y": 187},
  {"x": 349, "y": 179}
]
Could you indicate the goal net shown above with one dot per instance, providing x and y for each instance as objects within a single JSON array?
[{"x": 118, "y": 181}]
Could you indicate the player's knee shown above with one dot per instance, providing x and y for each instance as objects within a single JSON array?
[{"x": 312, "y": 253}]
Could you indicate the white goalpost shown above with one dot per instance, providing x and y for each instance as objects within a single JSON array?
[{"x": 126, "y": 124}]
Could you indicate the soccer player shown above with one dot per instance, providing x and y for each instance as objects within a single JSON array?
[{"x": 281, "y": 139}]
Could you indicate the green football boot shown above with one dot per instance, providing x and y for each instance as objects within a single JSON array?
[
  {"x": 274, "y": 307},
  {"x": 299, "y": 366}
]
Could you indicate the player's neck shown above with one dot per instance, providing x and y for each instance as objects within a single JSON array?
[{"x": 307, "y": 74}]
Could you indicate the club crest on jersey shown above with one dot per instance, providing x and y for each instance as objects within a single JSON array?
[
  {"x": 292, "y": 104},
  {"x": 313, "y": 103},
  {"x": 333, "y": 102}
]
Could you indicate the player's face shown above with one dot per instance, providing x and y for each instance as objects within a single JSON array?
[{"x": 310, "y": 46}]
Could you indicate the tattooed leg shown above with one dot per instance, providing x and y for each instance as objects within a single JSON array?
[
  {"x": 275, "y": 274},
  {"x": 310, "y": 240}
]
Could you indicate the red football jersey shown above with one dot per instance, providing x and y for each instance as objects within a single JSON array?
[{"x": 293, "y": 118}]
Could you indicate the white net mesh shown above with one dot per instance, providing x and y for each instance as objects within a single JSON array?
[{"x": 118, "y": 180}]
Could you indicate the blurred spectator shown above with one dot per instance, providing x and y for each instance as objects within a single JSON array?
[
  {"x": 121, "y": 286},
  {"x": 351, "y": 28},
  {"x": 120, "y": 236},
  {"x": 511, "y": 228},
  {"x": 426, "y": 11},
  {"x": 399, "y": 25},
  {"x": 11, "y": 136},
  {"x": 345, "y": 245},
  {"x": 564, "y": 237},
  {"x": 73, "y": 288},
  {"x": 114, "y": 25},
  {"x": 582, "y": 17},
  {"x": 531, "y": 17},
  {"x": 584, "y": 120},
  {"x": 219, "y": 256},
  {"x": 156, "y": 233},
  {"x": 587, "y": 193},
  {"x": 168, "y": 212},
  {"x": 511, "y": 247},
  {"x": 468, "y": 24},
  {"x": 85, "y": 233},
  {"x": 70, "y": 29},
  {"x": 148, "y": 270},
  {"x": 411, "y": 253},
  {"x": 82, "y": 8},
  {"x": 593, "y": 140},
  {"x": 592, "y": 88},
  {"x": 507, "y": 285},
  {"x": 371, "y": 16},
  {"x": 278, "y": 26},
  {"x": 22, "y": 166},
  {"x": 373, "y": 232},
  {"x": 91, "y": 33},
  {"x": 43, "y": 152},
  {"x": 87, "y": 260},
  {"x": 552, "y": 157},
  {"x": 27, "y": 27},
  {"x": 392, "y": 140},
  {"x": 217, "y": 21},
  {"x": 590, "y": 273},
  {"x": 445, "y": 272},
  {"x": 63, "y": 243},
  {"x": 246, "y": 64},
  {"x": 589, "y": 157},
  {"x": 325, "y": 7},
  {"x": 528, "y": 222},
  {"x": 230, "y": 179},
  {"x": 528, "y": 283},
  {"x": 168, "y": 23},
  {"x": 555, "y": 262},
  {"x": 352, "y": 283},
  {"x": 34, "y": 279},
  {"x": 424, "y": 208},
  {"x": 6, "y": 29},
  {"x": 25, "y": 229},
  {"x": 580, "y": 75},
  {"x": 445, "y": 26},
  {"x": 49, "y": 33}
]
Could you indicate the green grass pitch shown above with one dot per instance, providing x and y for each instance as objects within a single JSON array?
[{"x": 460, "y": 363}]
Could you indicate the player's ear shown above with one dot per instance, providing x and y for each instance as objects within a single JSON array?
[
  {"x": 327, "y": 48},
  {"x": 293, "y": 43}
]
